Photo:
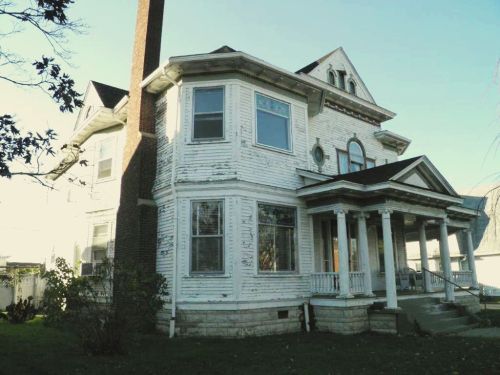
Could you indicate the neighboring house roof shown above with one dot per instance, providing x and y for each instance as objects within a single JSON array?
[{"x": 109, "y": 95}]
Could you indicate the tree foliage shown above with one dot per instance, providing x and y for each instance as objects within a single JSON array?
[{"x": 50, "y": 19}]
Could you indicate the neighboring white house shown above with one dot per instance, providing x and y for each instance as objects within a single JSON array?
[{"x": 273, "y": 189}]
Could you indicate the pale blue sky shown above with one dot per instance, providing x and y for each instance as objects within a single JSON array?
[{"x": 434, "y": 63}]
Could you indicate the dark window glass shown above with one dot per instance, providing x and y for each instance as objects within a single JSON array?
[
  {"x": 352, "y": 87},
  {"x": 207, "y": 236},
  {"x": 331, "y": 78},
  {"x": 276, "y": 238}
]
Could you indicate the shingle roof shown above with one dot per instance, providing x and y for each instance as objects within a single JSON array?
[
  {"x": 109, "y": 95},
  {"x": 373, "y": 175},
  {"x": 306, "y": 69},
  {"x": 224, "y": 49}
]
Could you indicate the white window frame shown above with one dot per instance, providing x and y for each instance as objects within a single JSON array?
[
  {"x": 91, "y": 260},
  {"x": 256, "y": 125},
  {"x": 97, "y": 159},
  {"x": 295, "y": 238},
  {"x": 213, "y": 139},
  {"x": 224, "y": 231}
]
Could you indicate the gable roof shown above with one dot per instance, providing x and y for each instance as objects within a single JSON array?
[
  {"x": 109, "y": 95},
  {"x": 308, "y": 68},
  {"x": 425, "y": 176},
  {"x": 224, "y": 49}
]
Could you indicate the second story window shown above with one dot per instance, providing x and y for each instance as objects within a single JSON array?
[
  {"x": 353, "y": 159},
  {"x": 208, "y": 122},
  {"x": 356, "y": 157},
  {"x": 273, "y": 123},
  {"x": 99, "y": 249},
  {"x": 105, "y": 158}
]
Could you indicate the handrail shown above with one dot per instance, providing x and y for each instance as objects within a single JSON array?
[{"x": 451, "y": 282}]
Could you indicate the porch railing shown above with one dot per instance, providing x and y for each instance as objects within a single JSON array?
[
  {"x": 329, "y": 283},
  {"x": 461, "y": 278}
]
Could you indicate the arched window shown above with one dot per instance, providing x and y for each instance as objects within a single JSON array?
[
  {"x": 356, "y": 156},
  {"x": 331, "y": 78},
  {"x": 352, "y": 87}
]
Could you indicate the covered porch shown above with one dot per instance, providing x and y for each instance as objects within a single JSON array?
[{"x": 363, "y": 220}]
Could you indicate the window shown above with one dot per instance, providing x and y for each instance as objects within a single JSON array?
[
  {"x": 276, "y": 238},
  {"x": 343, "y": 160},
  {"x": 370, "y": 163},
  {"x": 105, "y": 158},
  {"x": 331, "y": 78},
  {"x": 318, "y": 155},
  {"x": 356, "y": 157},
  {"x": 352, "y": 87},
  {"x": 273, "y": 123},
  {"x": 341, "y": 74},
  {"x": 207, "y": 237},
  {"x": 98, "y": 249},
  {"x": 208, "y": 116}
]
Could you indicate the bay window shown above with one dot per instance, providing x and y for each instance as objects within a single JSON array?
[
  {"x": 273, "y": 123},
  {"x": 276, "y": 241},
  {"x": 208, "y": 118}
]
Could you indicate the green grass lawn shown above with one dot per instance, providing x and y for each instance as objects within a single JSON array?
[{"x": 35, "y": 349}]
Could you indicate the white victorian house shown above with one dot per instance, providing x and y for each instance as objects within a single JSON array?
[{"x": 280, "y": 196}]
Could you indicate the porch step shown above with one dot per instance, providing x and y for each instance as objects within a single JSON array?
[{"x": 434, "y": 317}]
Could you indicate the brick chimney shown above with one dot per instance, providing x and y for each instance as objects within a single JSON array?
[{"x": 136, "y": 222}]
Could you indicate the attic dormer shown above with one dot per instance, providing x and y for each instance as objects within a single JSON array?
[{"x": 336, "y": 69}]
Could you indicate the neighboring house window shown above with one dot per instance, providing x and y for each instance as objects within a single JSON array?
[
  {"x": 208, "y": 116},
  {"x": 352, "y": 87},
  {"x": 98, "y": 249},
  {"x": 277, "y": 226},
  {"x": 105, "y": 158},
  {"x": 207, "y": 236},
  {"x": 273, "y": 122},
  {"x": 356, "y": 157},
  {"x": 341, "y": 74},
  {"x": 331, "y": 78}
]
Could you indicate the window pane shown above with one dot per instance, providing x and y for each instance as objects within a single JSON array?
[
  {"x": 343, "y": 162},
  {"x": 272, "y": 105},
  {"x": 355, "y": 167},
  {"x": 266, "y": 248},
  {"x": 352, "y": 88},
  {"x": 208, "y": 100},
  {"x": 100, "y": 230},
  {"x": 104, "y": 168},
  {"x": 207, "y": 218},
  {"x": 370, "y": 163},
  {"x": 276, "y": 215},
  {"x": 356, "y": 153},
  {"x": 98, "y": 255},
  {"x": 207, "y": 254},
  {"x": 272, "y": 130},
  {"x": 284, "y": 249},
  {"x": 105, "y": 149},
  {"x": 208, "y": 126}
]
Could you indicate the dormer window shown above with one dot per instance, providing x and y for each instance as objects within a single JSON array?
[
  {"x": 341, "y": 74},
  {"x": 331, "y": 77},
  {"x": 352, "y": 87}
]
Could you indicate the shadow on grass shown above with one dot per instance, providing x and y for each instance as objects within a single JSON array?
[{"x": 33, "y": 348}]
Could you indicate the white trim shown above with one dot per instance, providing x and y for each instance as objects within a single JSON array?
[{"x": 313, "y": 175}]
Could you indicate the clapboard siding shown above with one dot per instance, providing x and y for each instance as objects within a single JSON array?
[{"x": 334, "y": 129}]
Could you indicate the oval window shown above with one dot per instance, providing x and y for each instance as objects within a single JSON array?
[{"x": 318, "y": 155}]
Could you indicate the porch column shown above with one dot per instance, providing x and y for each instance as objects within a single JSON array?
[
  {"x": 343, "y": 255},
  {"x": 390, "y": 273},
  {"x": 445, "y": 260},
  {"x": 364, "y": 257},
  {"x": 424, "y": 258},
  {"x": 471, "y": 259}
]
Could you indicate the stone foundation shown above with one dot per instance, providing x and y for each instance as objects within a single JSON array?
[
  {"x": 383, "y": 321},
  {"x": 343, "y": 320},
  {"x": 234, "y": 323},
  {"x": 470, "y": 303}
]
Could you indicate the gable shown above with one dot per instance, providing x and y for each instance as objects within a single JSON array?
[
  {"x": 423, "y": 174},
  {"x": 415, "y": 179},
  {"x": 338, "y": 62},
  {"x": 91, "y": 102}
]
